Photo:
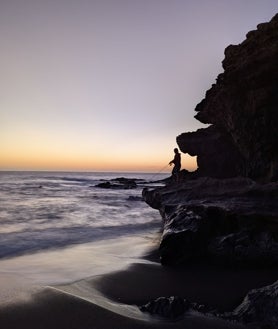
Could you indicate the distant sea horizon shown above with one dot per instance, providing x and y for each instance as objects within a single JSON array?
[{"x": 164, "y": 171}]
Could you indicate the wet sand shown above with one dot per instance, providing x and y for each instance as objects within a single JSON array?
[
  {"x": 220, "y": 288},
  {"x": 111, "y": 300}
]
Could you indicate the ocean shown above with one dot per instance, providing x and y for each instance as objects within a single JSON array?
[{"x": 59, "y": 226}]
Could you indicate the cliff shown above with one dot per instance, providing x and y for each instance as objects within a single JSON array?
[
  {"x": 233, "y": 194},
  {"x": 227, "y": 211},
  {"x": 242, "y": 110}
]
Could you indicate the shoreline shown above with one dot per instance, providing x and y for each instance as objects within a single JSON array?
[{"x": 112, "y": 299}]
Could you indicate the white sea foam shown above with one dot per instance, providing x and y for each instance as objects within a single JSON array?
[{"x": 56, "y": 227}]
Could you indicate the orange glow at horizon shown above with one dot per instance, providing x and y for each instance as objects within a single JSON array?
[
  {"x": 79, "y": 162},
  {"x": 35, "y": 149}
]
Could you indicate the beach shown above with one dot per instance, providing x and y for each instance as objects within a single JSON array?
[
  {"x": 110, "y": 85},
  {"x": 74, "y": 256},
  {"x": 111, "y": 300}
]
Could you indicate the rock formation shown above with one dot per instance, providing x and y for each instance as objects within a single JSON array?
[
  {"x": 174, "y": 307},
  {"x": 242, "y": 110},
  {"x": 168, "y": 307},
  {"x": 119, "y": 183},
  {"x": 226, "y": 220},
  {"x": 260, "y": 306},
  {"x": 258, "y": 309},
  {"x": 233, "y": 216},
  {"x": 227, "y": 211}
]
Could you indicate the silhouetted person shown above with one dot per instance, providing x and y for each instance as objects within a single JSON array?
[{"x": 177, "y": 164}]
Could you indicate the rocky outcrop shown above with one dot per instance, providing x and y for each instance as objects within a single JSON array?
[
  {"x": 174, "y": 307},
  {"x": 167, "y": 307},
  {"x": 229, "y": 217},
  {"x": 119, "y": 183},
  {"x": 259, "y": 307},
  {"x": 227, "y": 220},
  {"x": 242, "y": 109},
  {"x": 215, "y": 150},
  {"x": 227, "y": 211}
]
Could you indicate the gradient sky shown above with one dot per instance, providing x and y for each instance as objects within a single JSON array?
[{"x": 109, "y": 84}]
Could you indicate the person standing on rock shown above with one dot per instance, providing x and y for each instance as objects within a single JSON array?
[{"x": 177, "y": 164}]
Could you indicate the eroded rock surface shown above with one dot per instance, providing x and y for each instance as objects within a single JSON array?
[
  {"x": 227, "y": 211},
  {"x": 242, "y": 109},
  {"x": 259, "y": 307},
  {"x": 227, "y": 220},
  {"x": 167, "y": 307}
]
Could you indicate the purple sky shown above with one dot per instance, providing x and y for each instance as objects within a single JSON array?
[{"x": 109, "y": 84}]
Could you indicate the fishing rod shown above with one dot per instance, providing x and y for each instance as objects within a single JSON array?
[{"x": 159, "y": 171}]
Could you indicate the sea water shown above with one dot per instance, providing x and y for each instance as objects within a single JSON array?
[{"x": 57, "y": 226}]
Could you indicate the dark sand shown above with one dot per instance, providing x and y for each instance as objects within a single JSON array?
[
  {"x": 110, "y": 301},
  {"x": 219, "y": 288},
  {"x": 52, "y": 309}
]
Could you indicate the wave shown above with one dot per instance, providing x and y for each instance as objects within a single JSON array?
[{"x": 27, "y": 242}]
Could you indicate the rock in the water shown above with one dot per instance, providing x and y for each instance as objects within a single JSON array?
[
  {"x": 119, "y": 183},
  {"x": 104, "y": 185},
  {"x": 126, "y": 182}
]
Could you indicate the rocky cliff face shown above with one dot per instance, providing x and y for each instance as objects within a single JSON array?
[
  {"x": 242, "y": 110},
  {"x": 227, "y": 211}
]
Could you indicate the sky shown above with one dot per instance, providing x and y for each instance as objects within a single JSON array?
[{"x": 107, "y": 85}]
